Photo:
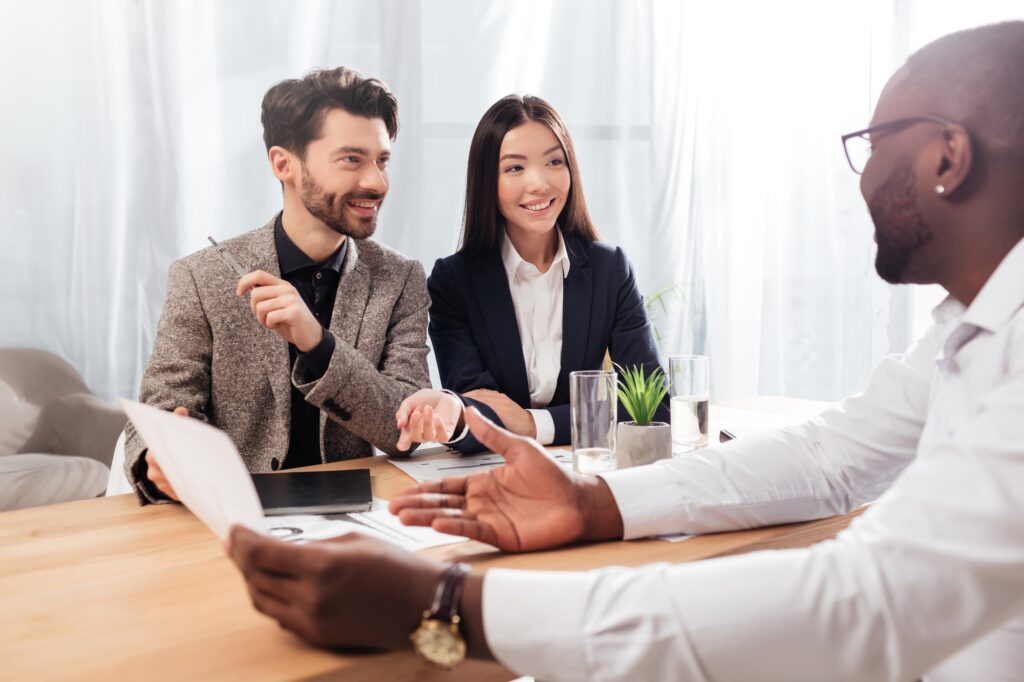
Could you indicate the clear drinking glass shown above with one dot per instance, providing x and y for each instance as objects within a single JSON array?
[
  {"x": 690, "y": 387},
  {"x": 593, "y": 413}
]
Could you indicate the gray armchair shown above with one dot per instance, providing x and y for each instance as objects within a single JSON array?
[{"x": 56, "y": 437}]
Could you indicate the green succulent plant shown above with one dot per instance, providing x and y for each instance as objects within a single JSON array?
[{"x": 641, "y": 394}]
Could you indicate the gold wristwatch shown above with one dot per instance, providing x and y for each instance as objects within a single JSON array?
[{"x": 438, "y": 639}]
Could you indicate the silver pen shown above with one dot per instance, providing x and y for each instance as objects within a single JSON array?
[{"x": 228, "y": 259}]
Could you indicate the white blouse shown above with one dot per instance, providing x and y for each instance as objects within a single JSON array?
[{"x": 537, "y": 299}]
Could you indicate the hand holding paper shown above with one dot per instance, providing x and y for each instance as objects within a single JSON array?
[
  {"x": 153, "y": 471},
  {"x": 203, "y": 467}
]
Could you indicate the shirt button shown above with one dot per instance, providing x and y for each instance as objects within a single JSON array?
[
  {"x": 274, "y": 464},
  {"x": 319, "y": 275}
]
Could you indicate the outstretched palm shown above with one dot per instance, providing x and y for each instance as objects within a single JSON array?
[{"x": 528, "y": 504}]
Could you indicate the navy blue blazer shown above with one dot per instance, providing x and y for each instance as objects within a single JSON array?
[{"x": 476, "y": 338}]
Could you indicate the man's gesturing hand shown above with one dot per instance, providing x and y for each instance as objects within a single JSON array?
[
  {"x": 528, "y": 504},
  {"x": 428, "y": 415},
  {"x": 278, "y": 306}
]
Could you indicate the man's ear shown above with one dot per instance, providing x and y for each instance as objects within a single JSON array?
[
  {"x": 283, "y": 163},
  {"x": 956, "y": 160}
]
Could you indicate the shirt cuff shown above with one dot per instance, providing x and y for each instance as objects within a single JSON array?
[
  {"x": 640, "y": 494},
  {"x": 140, "y": 472},
  {"x": 534, "y": 621},
  {"x": 545, "y": 426},
  {"x": 465, "y": 428},
  {"x": 315, "y": 362}
]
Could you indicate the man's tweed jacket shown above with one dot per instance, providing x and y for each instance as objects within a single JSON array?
[{"x": 212, "y": 356}]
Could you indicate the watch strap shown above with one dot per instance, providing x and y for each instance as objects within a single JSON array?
[{"x": 448, "y": 591}]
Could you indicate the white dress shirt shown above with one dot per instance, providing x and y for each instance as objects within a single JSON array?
[
  {"x": 929, "y": 578},
  {"x": 537, "y": 300}
]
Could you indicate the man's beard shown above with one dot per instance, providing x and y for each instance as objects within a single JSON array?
[
  {"x": 330, "y": 210},
  {"x": 900, "y": 228}
]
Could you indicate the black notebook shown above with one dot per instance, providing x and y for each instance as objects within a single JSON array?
[{"x": 314, "y": 492}]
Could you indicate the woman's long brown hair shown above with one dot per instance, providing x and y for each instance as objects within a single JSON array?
[{"x": 482, "y": 222}]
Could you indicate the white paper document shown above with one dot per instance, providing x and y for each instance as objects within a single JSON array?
[
  {"x": 433, "y": 465},
  {"x": 378, "y": 523},
  {"x": 210, "y": 478},
  {"x": 202, "y": 465}
]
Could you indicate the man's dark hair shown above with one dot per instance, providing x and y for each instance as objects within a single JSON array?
[
  {"x": 977, "y": 73},
  {"x": 294, "y": 109}
]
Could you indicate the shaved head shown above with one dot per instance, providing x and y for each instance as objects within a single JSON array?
[{"x": 975, "y": 77}]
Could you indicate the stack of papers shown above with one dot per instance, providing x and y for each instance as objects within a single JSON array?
[
  {"x": 378, "y": 523},
  {"x": 210, "y": 478}
]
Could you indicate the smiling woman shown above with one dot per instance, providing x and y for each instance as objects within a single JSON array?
[
  {"x": 533, "y": 183},
  {"x": 532, "y": 294},
  {"x": 522, "y": 154}
]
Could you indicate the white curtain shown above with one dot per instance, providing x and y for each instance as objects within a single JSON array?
[{"x": 708, "y": 136}]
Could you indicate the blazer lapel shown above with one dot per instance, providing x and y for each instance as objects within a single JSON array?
[
  {"x": 352, "y": 298},
  {"x": 577, "y": 299},
  {"x": 494, "y": 299},
  {"x": 272, "y": 348}
]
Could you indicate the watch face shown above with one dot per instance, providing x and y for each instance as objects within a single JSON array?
[{"x": 439, "y": 643}]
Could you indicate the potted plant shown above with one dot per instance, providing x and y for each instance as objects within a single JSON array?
[{"x": 642, "y": 440}]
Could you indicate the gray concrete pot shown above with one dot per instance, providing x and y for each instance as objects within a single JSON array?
[{"x": 637, "y": 445}]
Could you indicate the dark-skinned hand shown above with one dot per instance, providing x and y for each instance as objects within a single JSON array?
[{"x": 528, "y": 504}]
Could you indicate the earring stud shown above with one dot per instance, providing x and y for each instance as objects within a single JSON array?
[{"x": 940, "y": 189}]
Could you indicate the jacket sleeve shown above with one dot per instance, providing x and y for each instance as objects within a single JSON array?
[
  {"x": 560, "y": 417},
  {"x": 632, "y": 343},
  {"x": 458, "y": 358},
  {"x": 178, "y": 373},
  {"x": 467, "y": 444},
  {"x": 459, "y": 362},
  {"x": 364, "y": 397}
]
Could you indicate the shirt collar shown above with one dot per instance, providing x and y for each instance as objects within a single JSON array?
[
  {"x": 511, "y": 259},
  {"x": 291, "y": 258},
  {"x": 949, "y": 309},
  {"x": 1001, "y": 295}
]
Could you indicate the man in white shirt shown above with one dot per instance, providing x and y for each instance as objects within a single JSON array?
[{"x": 928, "y": 581}]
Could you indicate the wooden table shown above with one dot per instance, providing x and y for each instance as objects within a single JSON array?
[{"x": 105, "y": 589}]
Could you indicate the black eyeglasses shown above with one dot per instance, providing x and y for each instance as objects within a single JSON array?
[{"x": 858, "y": 145}]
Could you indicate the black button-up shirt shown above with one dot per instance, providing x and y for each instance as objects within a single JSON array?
[{"x": 317, "y": 284}]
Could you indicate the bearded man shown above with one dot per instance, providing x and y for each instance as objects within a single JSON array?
[{"x": 304, "y": 353}]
